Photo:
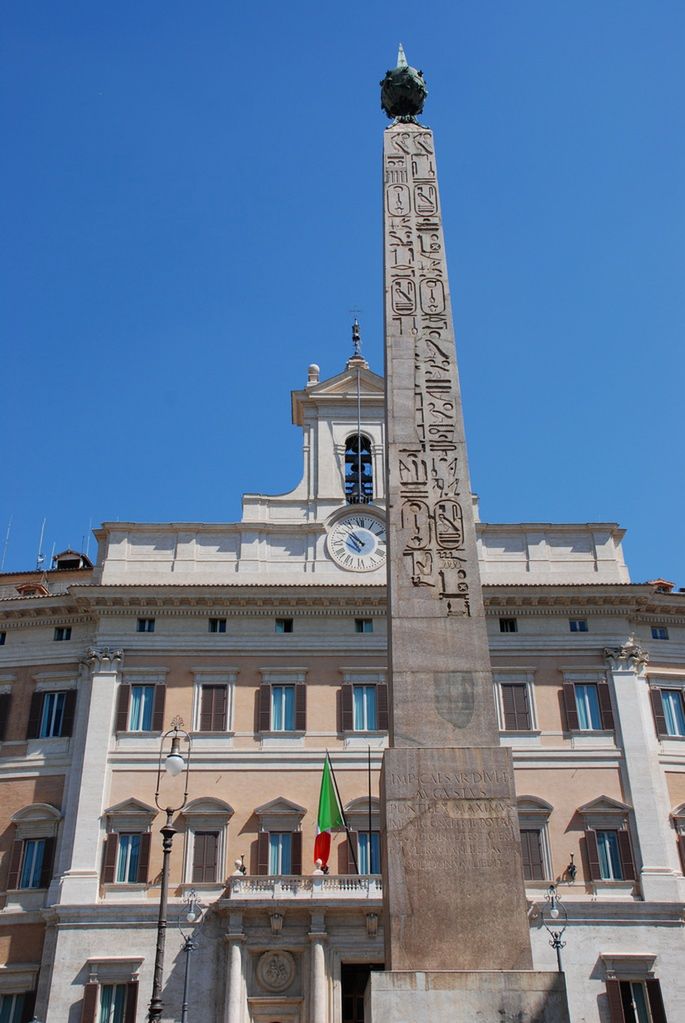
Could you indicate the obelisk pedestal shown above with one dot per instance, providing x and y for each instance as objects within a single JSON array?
[{"x": 457, "y": 944}]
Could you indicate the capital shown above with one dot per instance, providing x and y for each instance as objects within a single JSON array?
[
  {"x": 104, "y": 659},
  {"x": 629, "y": 657}
]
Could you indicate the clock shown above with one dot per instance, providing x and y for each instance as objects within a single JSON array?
[{"x": 357, "y": 542}]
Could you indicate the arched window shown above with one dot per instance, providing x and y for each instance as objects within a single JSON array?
[{"x": 358, "y": 470}]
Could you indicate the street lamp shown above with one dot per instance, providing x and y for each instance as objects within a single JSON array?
[
  {"x": 555, "y": 918},
  {"x": 193, "y": 915},
  {"x": 173, "y": 764}
]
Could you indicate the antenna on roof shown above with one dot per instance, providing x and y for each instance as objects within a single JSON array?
[
  {"x": 52, "y": 555},
  {"x": 6, "y": 544},
  {"x": 40, "y": 557},
  {"x": 90, "y": 530}
]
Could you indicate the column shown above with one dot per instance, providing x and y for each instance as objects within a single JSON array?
[
  {"x": 660, "y": 874},
  {"x": 77, "y": 876},
  {"x": 318, "y": 1002},
  {"x": 234, "y": 970}
]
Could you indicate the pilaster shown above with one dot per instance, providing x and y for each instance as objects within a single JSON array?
[
  {"x": 660, "y": 874},
  {"x": 77, "y": 877},
  {"x": 235, "y": 994},
  {"x": 318, "y": 1002}
]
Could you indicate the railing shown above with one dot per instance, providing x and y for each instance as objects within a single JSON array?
[{"x": 320, "y": 886}]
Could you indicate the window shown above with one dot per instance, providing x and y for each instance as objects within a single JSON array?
[
  {"x": 3, "y": 638},
  {"x": 31, "y": 863},
  {"x": 358, "y": 470},
  {"x": 609, "y": 854},
  {"x": 280, "y": 852},
  {"x": 145, "y": 625},
  {"x": 578, "y": 624},
  {"x": 51, "y": 714},
  {"x": 15, "y": 1008},
  {"x": 213, "y": 705},
  {"x": 205, "y": 856},
  {"x": 363, "y": 625},
  {"x": 635, "y": 1001},
  {"x": 5, "y": 704},
  {"x": 283, "y": 706},
  {"x": 588, "y": 705},
  {"x": 110, "y": 1003},
  {"x": 126, "y": 858},
  {"x": 364, "y": 705},
  {"x": 365, "y": 717},
  {"x": 659, "y": 632},
  {"x": 508, "y": 625},
  {"x": 62, "y": 633},
  {"x": 516, "y": 706},
  {"x": 217, "y": 624},
  {"x": 674, "y": 714},
  {"x": 610, "y": 865},
  {"x": 140, "y": 707},
  {"x": 532, "y": 854},
  {"x": 369, "y": 852},
  {"x": 142, "y": 703},
  {"x": 284, "y": 625}
]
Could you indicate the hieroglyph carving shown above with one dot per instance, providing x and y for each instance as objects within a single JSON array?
[{"x": 429, "y": 470}]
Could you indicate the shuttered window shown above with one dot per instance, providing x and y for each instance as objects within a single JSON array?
[
  {"x": 283, "y": 708},
  {"x": 588, "y": 706},
  {"x": 279, "y": 852},
  {"x": 205, "y": 856},
  {"x": 17, "y": 1008},
  {"x": 516, "y": 707},
  {"x": 31, "y": 862},
  {"x": 668, "y": 710},
  {"x": 609, "y": 855},
  {"x": 5, "y": 702},
  {"x": 214, "y": 700},
  {"x": 531, "y": 853},
  {"x": 364, "y": 708},
  {"x": 126, "y": 858},
  {"x": 635, "y": 1001},
  {"x": 140, "y": 708},
  {"x": 110, "y": 1003}
]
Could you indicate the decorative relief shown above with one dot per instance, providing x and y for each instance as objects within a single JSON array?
[
  {"x": 429, "y": 471},
  {"x": 629, "y": 657},
  {"x": 103, "y": 660},
  {"x": 276, "y": 970}
]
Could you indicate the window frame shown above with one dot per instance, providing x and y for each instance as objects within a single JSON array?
[
  {"x": 659, "y": 632},
  {"x": 657, "y": 686},
  {"x": 605, "y": 701},
  {"x": 284, "y": 626},
  {"x": 505, "y": 622},
  {"x": 227, "y": 678},
  {"x": 37, "y": 822},
  {"x": 62, "y": 634},
  {"x": 581, "y": 625},
  {"x": 515, "y": 678},
  {"x": 279, "y": 816},
  {"x": 360, "y": 626},
  {"x": 216, "y": 626},
  {"x": 275, "y": 678},
  {"x": 607, "y": 815},
  {"x": 145, "y": 625},
  {"x": 140, "y": 678},
  {"x": 206, "y": 815}
]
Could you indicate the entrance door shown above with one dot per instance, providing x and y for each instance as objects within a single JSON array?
[{"x": 353, "y": 980}]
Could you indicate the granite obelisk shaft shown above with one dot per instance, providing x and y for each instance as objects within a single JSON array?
[{"x": 452, "y": 858}]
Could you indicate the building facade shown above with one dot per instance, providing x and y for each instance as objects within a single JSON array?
[{"x": 267, "y": 638}]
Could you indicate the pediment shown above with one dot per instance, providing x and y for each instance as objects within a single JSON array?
[
  {"x": 346, "y": 382},
  {"x": 36, "y": 812},
  {"x": 131, "y": 806},
  {"x": 533, "y": 804},
  {"x": 208, "y": 807},
  {"x": 605, "y": 804},
  {"x": 280, "y": 805}
]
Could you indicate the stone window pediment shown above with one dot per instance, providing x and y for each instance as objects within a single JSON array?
[
  {"x": 39, "y": 820},
  {"x": 280, "y": 814},
  {"x": 605, "y": 812},
  {"x": 131, "y": 815}
]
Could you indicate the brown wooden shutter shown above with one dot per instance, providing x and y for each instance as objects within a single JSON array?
[
  {"x": 219, "y": 709},
  {"x": 300, "y": 707},
  {"x": 681, "y": 849},
  {"x": 123, "y": 701},
  {"x": 658, "y": 711},
  {"x": 508, "y": 707},
  {"x": 626, "y": 853},
  {"x": 382, "y": 707},
  {"x": 592, "y": 856},
  {"x": 352, "y": 852},
  {"x": 48, "y": 862},
  {"x": 572, "y": 722},
  {"x": 347, "y": 713},
  {"x": 531, "y": 852},
  {"x": 90, "y": 1003},
  {"x": 263, "y": 853},
  {"x": 296, "y": 852},
  {"x": 15, "y": 864},
  {"x": 207, "y": 708},
  {"x": 69, "y": 710},
  {"x": 144, "y": 858},
  {"x": 109, "y": 859},
  {"x": 158, "y": 709},
  {"x": 35, "y": 714},
  {"x": 605, "y": 709},
  {"x": 656, "y": 1002},
  {"x": 28, "y": 1007},
  {"x": 205, "y": 845},
  {"x": 5, "y": 701},
  {"x": 131, "y": 1002},
  {"x": 615, "y": 1004},
  {"x": 265, "y": 708}
]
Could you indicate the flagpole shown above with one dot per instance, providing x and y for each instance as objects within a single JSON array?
[{"x": 342, "y": 812}]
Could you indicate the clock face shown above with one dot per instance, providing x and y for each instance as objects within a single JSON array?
[{"x": 357, "y": 542}]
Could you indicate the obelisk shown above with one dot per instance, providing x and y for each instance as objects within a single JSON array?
[{"x": 454, "y": 896}]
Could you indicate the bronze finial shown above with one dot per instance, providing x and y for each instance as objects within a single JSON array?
[{"x": 403, "y": 91}]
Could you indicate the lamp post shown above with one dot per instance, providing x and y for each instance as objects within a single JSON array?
[
  {"x": 555, "y": 918},
  {"x": 174, "y": 765},
  {"x": 193, "y": 915}
]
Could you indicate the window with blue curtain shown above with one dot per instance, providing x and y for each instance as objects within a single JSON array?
[
  {"x": 280, "y": 852},
  {"x": 52, "y": 715},
  {"x": 112, "y": 1003},
  {"x": 369, "y": 851},
  {"x": 11, "y": 1008},
  {"x": 672, "y": 701},
  {"x": 365, "y": 719},
  {"x": 32, "y": 863},
  {"x": 128, "y": 855},
  {"x": 609, "y": 856},
  {"x": 283, "y": 708},
  {"x": 142, "y": 702},
  {"x": 587, "y": 702}
]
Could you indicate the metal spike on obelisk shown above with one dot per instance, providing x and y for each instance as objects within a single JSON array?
[
  {"x": 401, "y": 58},
  {"x": 451, "y": 849}
]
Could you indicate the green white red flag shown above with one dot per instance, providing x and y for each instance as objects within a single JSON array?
[{"x": 330, "y": 814}]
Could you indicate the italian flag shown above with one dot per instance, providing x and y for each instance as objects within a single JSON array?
[{"x": 330, "y": 814}]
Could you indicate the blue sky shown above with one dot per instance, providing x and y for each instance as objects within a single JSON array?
[{"x": 191, "y": 208}]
